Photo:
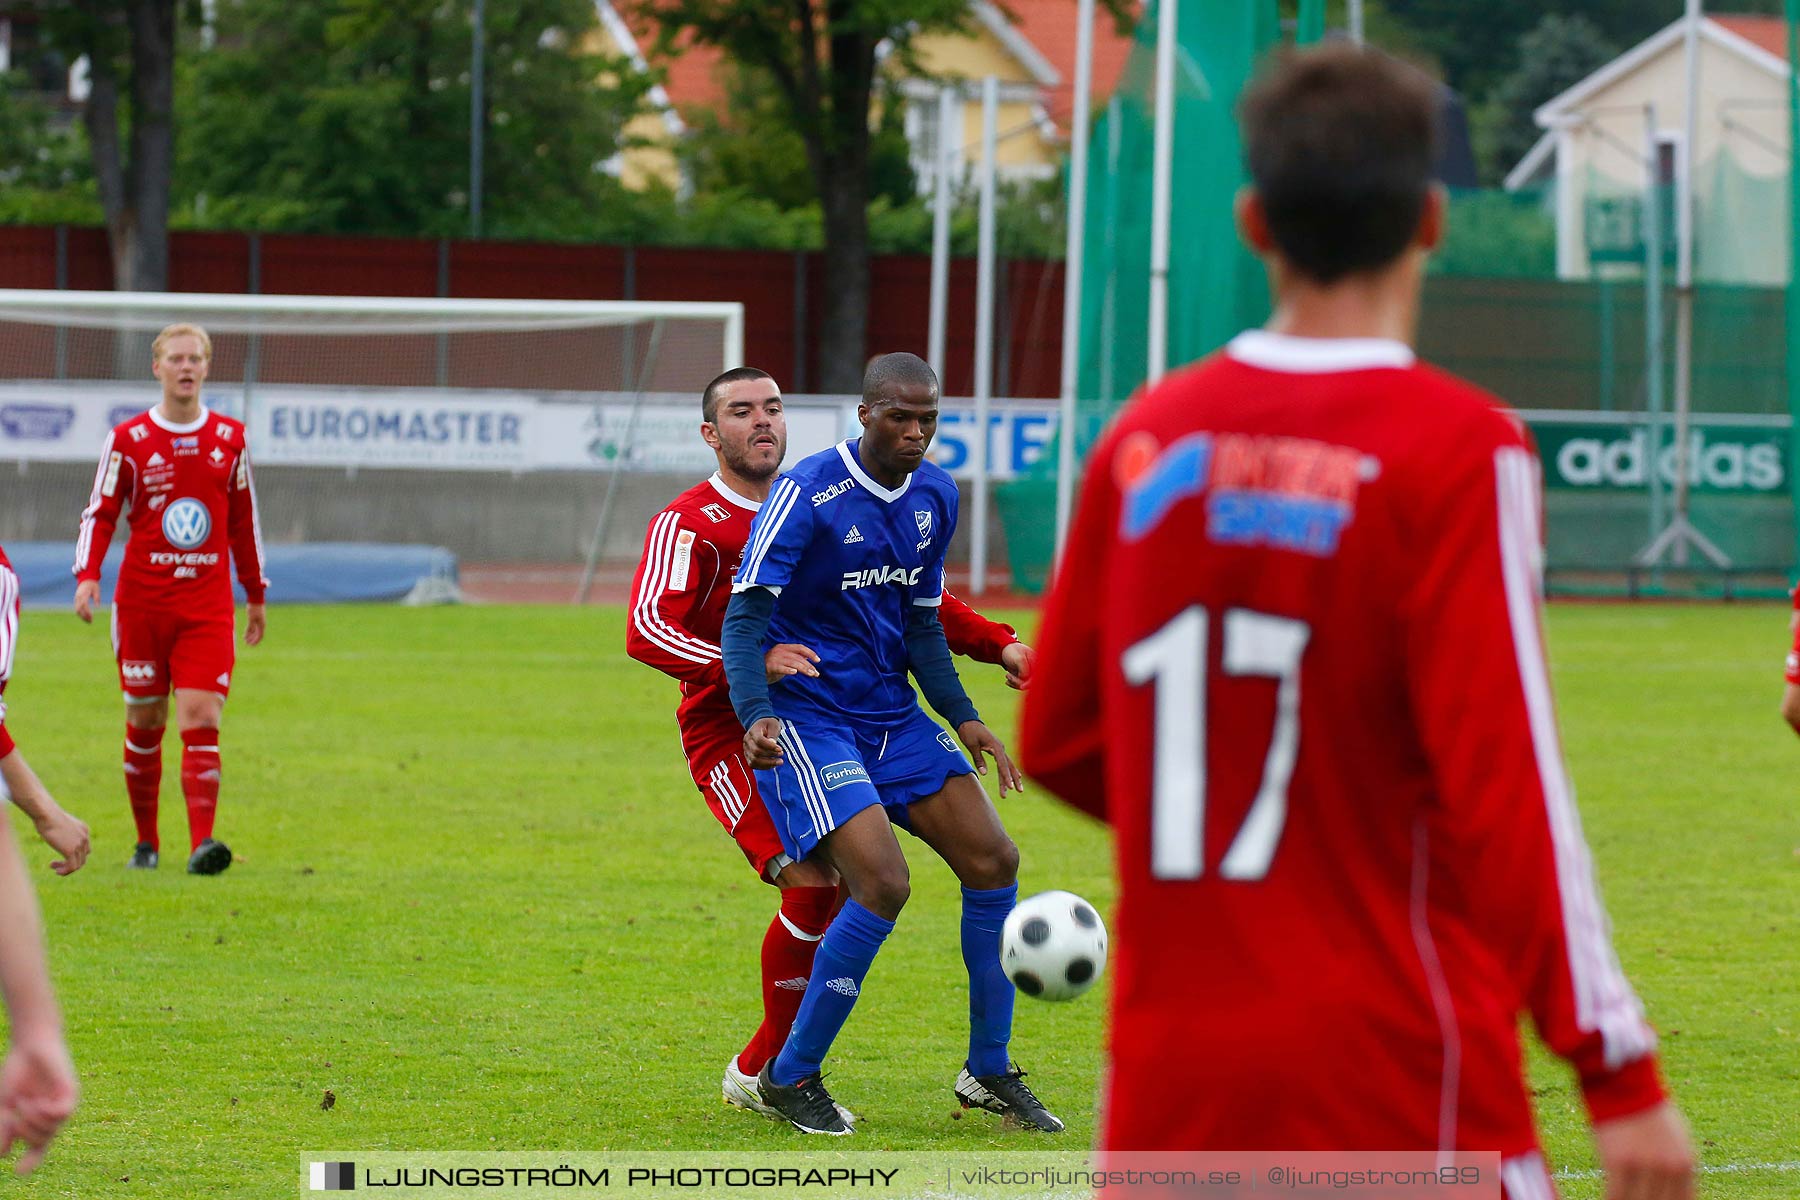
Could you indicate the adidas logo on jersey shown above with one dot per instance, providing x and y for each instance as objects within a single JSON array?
[
  {"x": 155, "y": 460},
  {"x": 853, "y": 537},
  {"x": 796, "y": 984},
  {"x": 843, "y": 985}
]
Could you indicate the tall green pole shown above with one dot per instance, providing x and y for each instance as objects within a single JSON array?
[
  {"x": 1311, "y": 26},
  {"x": 1793, "y": 289}
]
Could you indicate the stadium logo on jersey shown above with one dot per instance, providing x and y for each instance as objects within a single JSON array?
[
  {"x": 717, "y": 513},
  {"x": 842, "y": 774},
  {"x": 833, "y": 492},
  {"x": 187, "y": 524},
  {"x": 843, "y": 985},
  {"x": 880, "y": 577},
  {"x": 853, "y": 537},
  {"x": 138, "y": 672}
]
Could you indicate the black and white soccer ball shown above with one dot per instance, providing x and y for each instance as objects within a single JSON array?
[{"x": 1053, "y": 946}]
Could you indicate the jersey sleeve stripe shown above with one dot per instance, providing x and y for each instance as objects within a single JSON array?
[
  {"x": 780, "y": 505},
  {"x": 84, "y": 542},
  {"x": 1604, "y": 1001},
  {"x": 647, "y": 618},
  {"x": 9, "y": 623},
  {"x": 256, "y": 537},
  {"x": 670, "y": 535}
]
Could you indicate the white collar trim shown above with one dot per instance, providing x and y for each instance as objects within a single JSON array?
[
  {"x": 719, "y": 485},
  {"x": 862, "y": 477},
  {"x": 1318, "y": 356},
  {"x": 193, "y": 426}
]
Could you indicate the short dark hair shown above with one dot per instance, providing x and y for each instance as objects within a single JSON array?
[
  {"x": 897, "y": 369},
  {"x": 1340, "y": 142},
  {"x": 709, "y": 399}
]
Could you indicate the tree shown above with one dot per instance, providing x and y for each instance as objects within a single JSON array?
[
  {"x": 130, "y": 49},
  {"x": 821, "y": 55},
  {"x": 353, "y": 116},
  {"x": 1554, "y": 55}
]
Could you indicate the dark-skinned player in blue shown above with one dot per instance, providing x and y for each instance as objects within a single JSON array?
[{"x": 847, "y": 557}]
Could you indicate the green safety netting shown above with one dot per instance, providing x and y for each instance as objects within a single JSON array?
[{"x": 1570, "y": 340}]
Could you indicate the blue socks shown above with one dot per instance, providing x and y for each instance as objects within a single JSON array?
[
  {"x": 990, "y": 991},
  {"x": 843, "y": 959}
]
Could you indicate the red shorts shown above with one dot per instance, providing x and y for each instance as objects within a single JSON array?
[
  {"x": 729, "y": 785},
  {"x": 159, "y": 651}
]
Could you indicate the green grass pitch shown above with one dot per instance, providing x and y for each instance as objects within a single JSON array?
[{"x": 479, "y": 901}]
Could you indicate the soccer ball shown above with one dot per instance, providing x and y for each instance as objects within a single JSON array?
[{"x": 1053, "y": 946}]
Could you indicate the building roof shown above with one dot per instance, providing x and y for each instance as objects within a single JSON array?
[
  {"x": 1759, "y": 40},
  {"x": 1050, "y": 26},
  {"x": 1765, "y": 33}
]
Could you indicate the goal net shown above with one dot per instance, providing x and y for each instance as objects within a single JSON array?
[{"x": 522, "y": 436}]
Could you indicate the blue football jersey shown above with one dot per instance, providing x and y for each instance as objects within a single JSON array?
[{"x": 847, "y": 558}]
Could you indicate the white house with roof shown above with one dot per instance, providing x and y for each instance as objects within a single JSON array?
[{"x": 1604, "y": 136}]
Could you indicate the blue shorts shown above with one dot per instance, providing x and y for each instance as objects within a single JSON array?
[{"x": 829, "y": 773}]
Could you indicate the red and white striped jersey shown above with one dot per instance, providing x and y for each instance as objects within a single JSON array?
[
  {"x": 682, "y": 588},
  {"x": 1294, "y": 656},
  {"x": 9, "y": 640},
  {"x": 191, "y": 500}
]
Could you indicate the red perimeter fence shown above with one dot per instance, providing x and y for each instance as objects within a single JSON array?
[{"x": 783, "y": 292}]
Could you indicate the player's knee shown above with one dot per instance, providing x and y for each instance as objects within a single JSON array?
[
  {"x": 885, "y": 892},
  {"x": 994, "y": 866}
]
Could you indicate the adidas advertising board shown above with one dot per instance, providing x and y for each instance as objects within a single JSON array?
[{"x": 1618, "y": 457}]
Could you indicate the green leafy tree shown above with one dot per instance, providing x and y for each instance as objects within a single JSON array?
[
  {"x": 1554, "y": 55},
  {"x": 129, "y": 119},
  {"x": 36, "y": 151},
  {"x": 821, "y": 56},
  {"x": 353, "y": 116}
]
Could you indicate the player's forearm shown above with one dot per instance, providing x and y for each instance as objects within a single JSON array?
[
  {"x": 972, "y": 635},
  {"x": 24, "y": 977},
  {"x": 747, "y": 620},
  {"x": 928, "y": 655},
  {"x": 22, "y": 783}
]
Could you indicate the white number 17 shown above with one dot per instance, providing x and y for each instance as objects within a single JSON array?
[{"x": 1174, "y": 660}]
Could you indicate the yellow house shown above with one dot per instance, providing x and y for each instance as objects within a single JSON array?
[{"x": 1031, "y": 54}]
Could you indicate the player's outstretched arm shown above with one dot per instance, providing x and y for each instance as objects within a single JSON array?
[
  {"x": 972, "y": 635},
  {"x": 62, "y": 831},
  {"x": 37, "y": 1080},
  {"x": 112, "y": 483}
]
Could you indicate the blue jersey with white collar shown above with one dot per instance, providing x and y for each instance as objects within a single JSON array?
[{"x": 846, "y": 559}]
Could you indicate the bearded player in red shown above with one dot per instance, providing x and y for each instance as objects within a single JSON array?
[
  {"x": 184, "y": 473},
  {"x": 1294, "y": 655},
  {"x": 677, "y": 616}
]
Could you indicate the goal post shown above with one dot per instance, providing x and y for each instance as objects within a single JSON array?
[{"x": 493, "y": 428}]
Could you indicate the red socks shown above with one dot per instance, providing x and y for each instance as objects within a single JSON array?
[
  {"x": 143, "y": 777},
  {"x": 200, "y": 781},
  {"x": 787, "y": 955}
]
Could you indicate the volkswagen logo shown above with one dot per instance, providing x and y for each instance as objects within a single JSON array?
[{"x": 186, "y": 524}]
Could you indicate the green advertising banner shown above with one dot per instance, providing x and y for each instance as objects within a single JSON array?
[{"x": 1615, "y": 455}]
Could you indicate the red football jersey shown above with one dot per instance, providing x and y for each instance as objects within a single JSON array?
[
  {"x": 191, "y": 501},
  {"x": 682, "y": 588},
  {"x": 9, "y": 640},
  {"x": 1793, "y": 658},
  {"x": 1294, "y": 656}
]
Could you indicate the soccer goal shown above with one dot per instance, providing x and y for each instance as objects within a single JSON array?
[{"x": 522, "y": 436}]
